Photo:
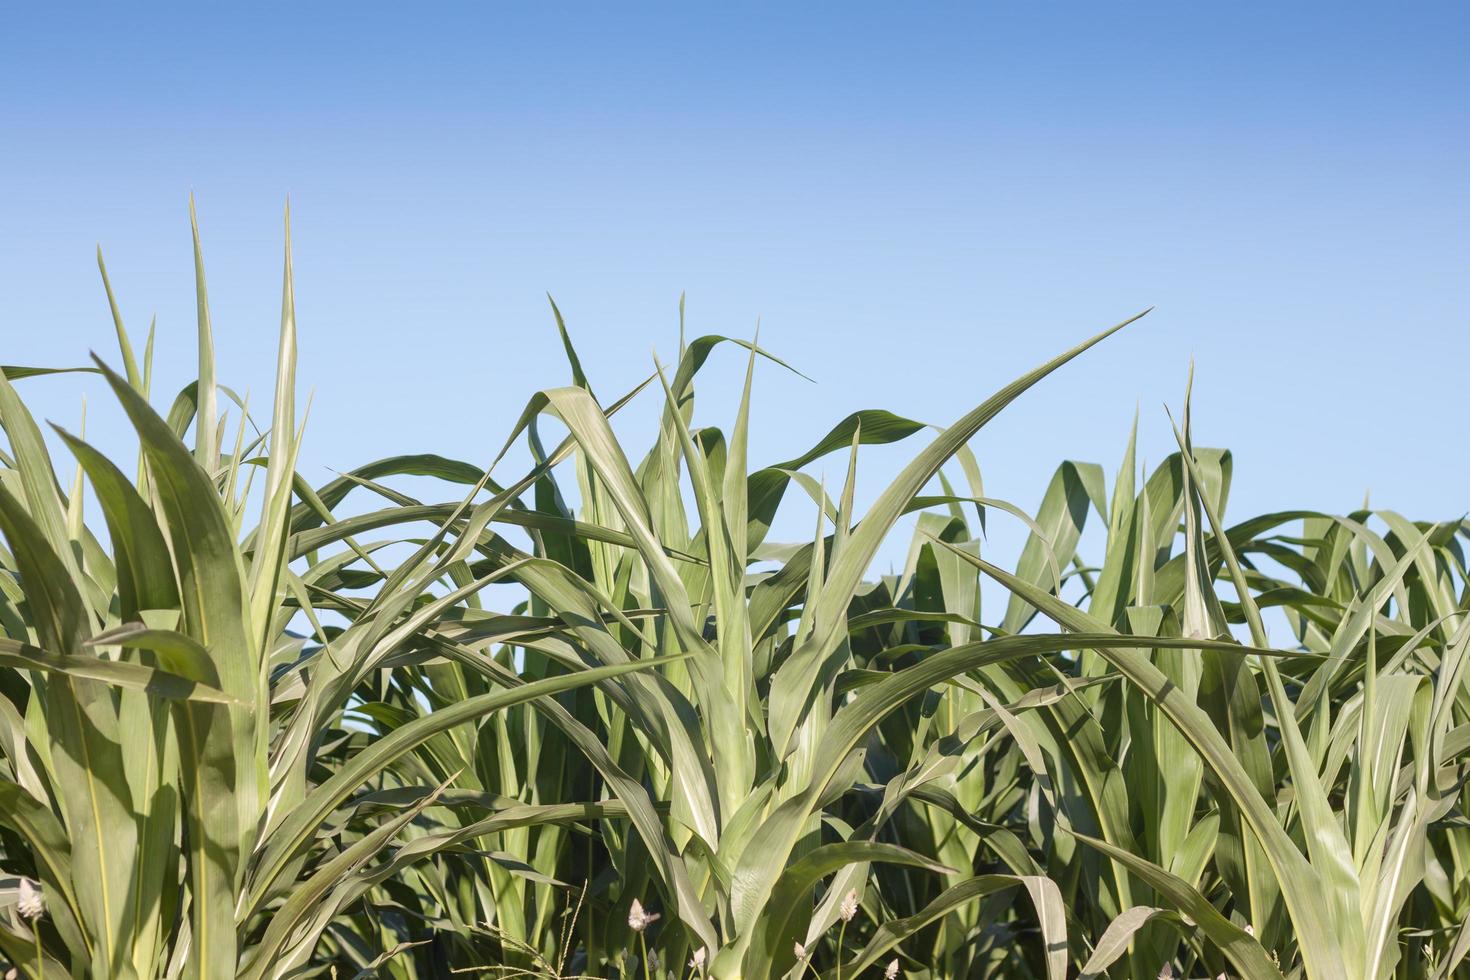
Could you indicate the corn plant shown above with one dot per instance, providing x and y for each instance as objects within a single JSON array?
[
  {"x": 681, "y": 748},
  {"x": 180, "y": 771}
]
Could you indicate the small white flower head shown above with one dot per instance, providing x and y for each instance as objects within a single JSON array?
[
  {"x": 696, "y": 962},
  {"x": 800, "y": 951},
  {"x": 638, "y": 919},
  {"x": 1249, "y": 929},
  {"x": 891, "y": 971},
  {"x": 848, "y": 908},
  {"x": 30, "y": 904},
  {"x": 1166, "y": 972}
]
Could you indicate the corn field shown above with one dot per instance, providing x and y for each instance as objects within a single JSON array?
[{"x": 589, "y": 720}]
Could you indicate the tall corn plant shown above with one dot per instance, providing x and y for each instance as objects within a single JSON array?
[{"x": 180, "y": 775}]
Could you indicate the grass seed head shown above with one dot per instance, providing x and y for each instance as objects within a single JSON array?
[
  {"x": 30, "y": 904},
  {"x": 638, "y": 918}
]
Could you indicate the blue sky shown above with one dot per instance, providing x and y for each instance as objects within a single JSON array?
[{"x": 918, "y": 201}]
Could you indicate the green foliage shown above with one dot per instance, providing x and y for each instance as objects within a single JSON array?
[{"x": 275, "y": 731}]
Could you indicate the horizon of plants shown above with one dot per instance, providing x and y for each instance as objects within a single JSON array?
[{"x": 256, "y": 728}]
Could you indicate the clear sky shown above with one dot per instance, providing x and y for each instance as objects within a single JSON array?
[{"x": 917, "y": 200}]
